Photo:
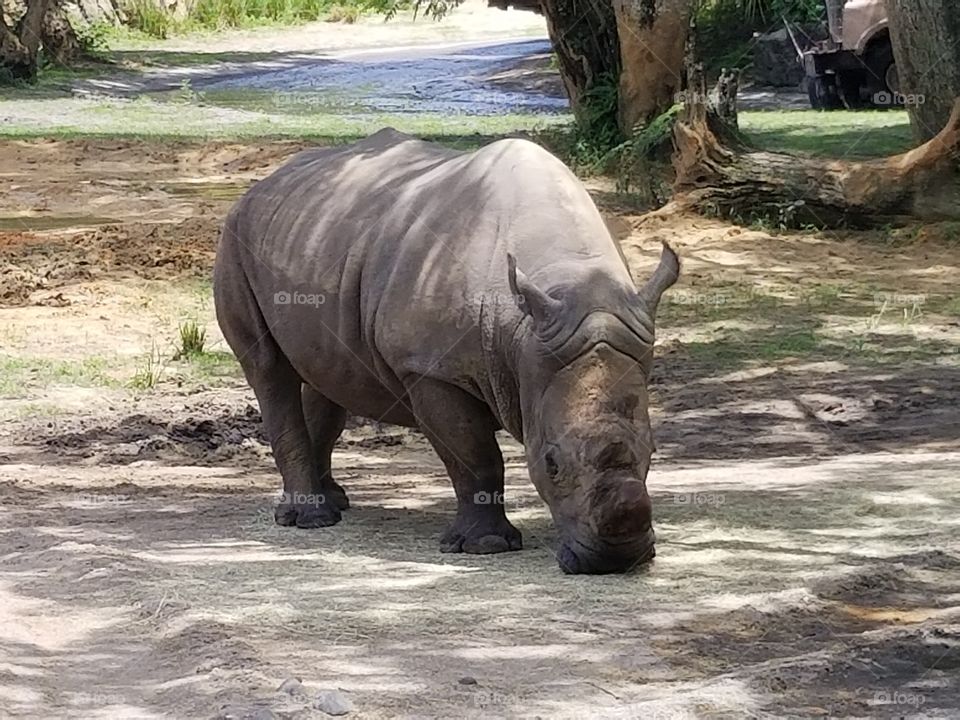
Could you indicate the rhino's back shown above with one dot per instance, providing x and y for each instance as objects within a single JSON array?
[
  {"x": 396, "y": 196},
  {"x": 400, "y": 244}
]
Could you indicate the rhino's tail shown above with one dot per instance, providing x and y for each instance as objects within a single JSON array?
[{"x": 238, "y": 311}]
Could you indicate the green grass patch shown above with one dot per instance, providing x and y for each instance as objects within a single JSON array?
[
  {"x": 193, "y": 339},
  {"x": 20, "y": 374},
  {"x": 185, "y": 119},
  {"x": 747, "y": 326},
  {"x": 840, "y": 134},
  {"x": 736, "y": 348},
  {"x": 209, "y": 368},
  {"x": 213, "y": 365}
]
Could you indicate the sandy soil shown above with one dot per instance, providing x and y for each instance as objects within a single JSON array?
[{"x": 805, "y": 488}]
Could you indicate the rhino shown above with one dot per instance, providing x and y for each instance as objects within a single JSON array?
[{"x": 459, "y": 293}]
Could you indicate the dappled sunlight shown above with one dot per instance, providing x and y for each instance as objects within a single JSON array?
[
  {"x": 226, "y": 596},
  {"x": 48, "y": 626},
  {"x": 803, "y": 486}
]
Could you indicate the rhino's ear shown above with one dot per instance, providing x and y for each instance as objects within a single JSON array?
[
  {"x": 663, "y": 277},
  {"x": 529, "y": 298}
]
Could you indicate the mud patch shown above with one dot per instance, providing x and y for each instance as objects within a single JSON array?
[
  {"x": 155, "y": 251},
  {"x": 231, "y": 437},
  {"x": 194, "y": 441},
  {"x": 820, "y": 660},
  {"x": 895, "y": 588},
  {"x": 157, "y": 208}
]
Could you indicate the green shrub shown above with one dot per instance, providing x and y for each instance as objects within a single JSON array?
[
  {"x": 193, "y": 340},
  {"x": 586, "y": 144},
  {"x": 725, "y": 28},
  {"x": 93, "y": 38},
  {"x": 149, "y": 17},
  {"x": 343, "y": 14},
  {"x": 153, "y": 18},
  {"x": 758, "y": 13}
]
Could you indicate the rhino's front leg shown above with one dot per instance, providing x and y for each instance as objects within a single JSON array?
[{"x": 463, "y": 432}]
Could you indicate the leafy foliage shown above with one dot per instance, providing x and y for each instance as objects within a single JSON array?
[
  {"x": 94, "y": 39},
  {"x": 759, "y": 12},
  {"x": 155, "y": 19},
  {"x": 587, "y": 144},
  {"x": 434, "y": 9},
  {"x": 725, "y": 28}
]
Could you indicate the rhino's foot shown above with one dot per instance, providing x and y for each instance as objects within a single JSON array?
[
  {"x": 335, "y": 492},
  {"x": 481, "y": 536},
  {"x": 307, "y": 515}
]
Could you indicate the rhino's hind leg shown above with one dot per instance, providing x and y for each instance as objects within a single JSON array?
[
  {"x": 463, "y": 432},
  {"x": 304, "y": 502},
  {"x": 277, "y": 387},
  {"x": 325, "y": 420}
]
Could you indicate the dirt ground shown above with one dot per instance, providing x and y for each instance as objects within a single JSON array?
[{"x": 805, "y": 487}]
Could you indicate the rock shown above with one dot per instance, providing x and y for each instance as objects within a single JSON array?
[
  {"x": 246, "y": 712},
  {"x": 775, "y": 58},
  {"x": 130, "y": 449},
  {"x": 333, "y": 702},
  {"x": 467, "y": 680},
  {"x": 95, "y": 573},
  {"x": 291, "y": 686}
]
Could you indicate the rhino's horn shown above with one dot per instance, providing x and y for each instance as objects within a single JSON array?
[
  {"x": 666, "y": 274},
  {"x": 529, "y": 298}
]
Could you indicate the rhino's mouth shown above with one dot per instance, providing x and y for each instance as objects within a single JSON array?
[{"x": 577, "y": 557}]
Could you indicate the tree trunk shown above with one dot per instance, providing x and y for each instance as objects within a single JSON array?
[
  {"x": 791, "y": 191},
  {"x": 60, "y": 41},
  {"x": 653, "y": 36},
  {"x": 20, "y": 45},
  {"x": 584, "y": 37},
  {"x": 926, "y": 45}
]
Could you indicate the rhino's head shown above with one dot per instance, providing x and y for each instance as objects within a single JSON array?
[{"x": 585, "y": 423}]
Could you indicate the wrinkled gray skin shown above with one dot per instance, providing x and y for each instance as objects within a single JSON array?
[{"x": 458, "y": 293}]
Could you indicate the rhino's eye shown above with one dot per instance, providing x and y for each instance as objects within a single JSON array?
[{"x": 550, "y": 464}]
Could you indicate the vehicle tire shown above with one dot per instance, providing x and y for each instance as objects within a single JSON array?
[
  {"x": 851, "y": 85},
  {"x": 883, "y": 80},
  {"x": 823, "y": 93},
  {"x": 892, "y": 78}
]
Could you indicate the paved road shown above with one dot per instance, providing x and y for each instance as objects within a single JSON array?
[{"x": 448, "y": 79}]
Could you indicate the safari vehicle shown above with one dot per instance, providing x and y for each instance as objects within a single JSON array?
[{"x": 854, "y": 67}]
